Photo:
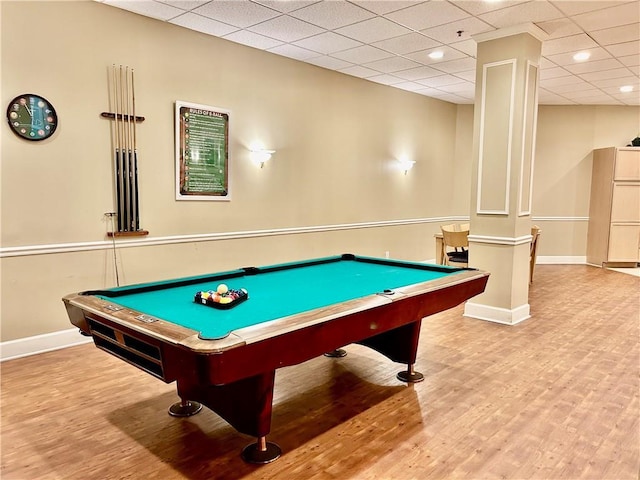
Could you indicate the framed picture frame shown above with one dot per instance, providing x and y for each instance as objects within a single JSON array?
[{"x": 202, "y": 152}]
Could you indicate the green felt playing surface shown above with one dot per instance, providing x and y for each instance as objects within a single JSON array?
[{"x": 274, "y": 294}]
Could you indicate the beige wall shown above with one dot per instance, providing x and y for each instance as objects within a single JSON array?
[
  {"x": 567, "y": 136},
  {"x": 336, "y": 137}
]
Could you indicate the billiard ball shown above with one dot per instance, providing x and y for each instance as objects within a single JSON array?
[{"x": 222, "y": 289}]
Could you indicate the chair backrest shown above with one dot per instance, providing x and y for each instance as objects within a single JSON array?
[
  {"x": 451, "y": 227},
  {"x": 533, "y": 253},
  {"x": 455, "y": 227},
  {"x": 454, "y": 239},
  {"x": 535, "y": 234}
]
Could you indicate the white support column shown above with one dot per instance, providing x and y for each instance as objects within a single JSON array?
[{"x": 507, "y": 72}]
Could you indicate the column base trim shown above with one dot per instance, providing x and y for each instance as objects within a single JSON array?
[{"x": 497, "y": 314}]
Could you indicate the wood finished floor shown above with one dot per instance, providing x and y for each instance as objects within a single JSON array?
[{"x": 555, "y": 397}]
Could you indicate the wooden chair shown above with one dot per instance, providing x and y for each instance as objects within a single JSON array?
[
  {"x": 533, "y": 253},
  {"x": 457, "y": 240}
]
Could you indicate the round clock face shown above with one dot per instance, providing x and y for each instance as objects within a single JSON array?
[{"x": 32, "y": 117}]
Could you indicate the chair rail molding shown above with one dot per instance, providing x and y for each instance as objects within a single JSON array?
[{"x": 26, "y": 250}]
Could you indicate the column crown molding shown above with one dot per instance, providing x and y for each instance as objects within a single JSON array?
[{"x": 528, "y": 27}]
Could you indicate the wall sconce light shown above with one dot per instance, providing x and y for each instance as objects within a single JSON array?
[
  {"x": 260, "y": 156},
  {"x": 406, "y": 165}
]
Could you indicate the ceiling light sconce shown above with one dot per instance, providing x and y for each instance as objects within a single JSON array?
[
  {"x": 626, "y": 89},
  {"x": 581, "y": 56},
  {"x": 260, "y": 156},
  {"x": 406, "y": 165},
  {"x": 436, "y": 55}
]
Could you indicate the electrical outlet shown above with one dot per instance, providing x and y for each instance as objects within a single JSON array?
[{"x": 386, "y": 254}]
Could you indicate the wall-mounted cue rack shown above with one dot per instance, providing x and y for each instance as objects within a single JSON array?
[{"x": 122, "y": 102}]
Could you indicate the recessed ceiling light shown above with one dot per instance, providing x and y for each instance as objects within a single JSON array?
[
  {"x": 581, "y": 56},
  {"x": 437, "y": 55},
  {"x": 626, "y": 89}
]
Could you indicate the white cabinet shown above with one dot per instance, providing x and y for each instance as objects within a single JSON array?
[{"x": 613, "y": 238}]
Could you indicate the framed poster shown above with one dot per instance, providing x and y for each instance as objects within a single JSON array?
[{"x": 202, "y": 152}]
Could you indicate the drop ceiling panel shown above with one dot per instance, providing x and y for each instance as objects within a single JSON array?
[
  {"x": 286, "y": 29},
  {"x": 238, "y": 14},
  {"x": 572, "y": 7},
  {"x": 614, "y": 35},
  {"x": 286, "y": 6},
  {"x": 604, "y": 67},
  {"x": 563, "y": 59},
  {"x": 381, "y": 7},
  {"x": 359, "y": 71},
  {"x": 573, "y": 43},
  {"x": 458, "y": 30},
  {"x": 423, "y": 56},
  {"x": 158, "y": 10},
  {"x": 615, "y": 16},
  {"x": 428, "y": 14},
  {"x": 559, "y": 28},
  {"x": 185, "y": 4},
  {"x": 534, "y": 11},
  {"x": 292, "y": 51},
  {"x": 373, "y": 30},
  {"x": 418, "y": 73},
  {"x": 327, "y": 42},
  {"x": 254, "y": 40},
  {"x": 392, "y": 64},
  {"x": 203, "y": 24},
  {"x": 411, "y": 42},
  {"x": 332, "y": 63},
  {"x": 362, "y": 55},
  {"x": 455, "y": 66},
  {"x": 385, "y": 79},
  {"x": 332, "y": 15}
]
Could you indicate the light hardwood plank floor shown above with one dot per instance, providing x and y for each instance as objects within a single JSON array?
[{"x": 555, "y": 397}]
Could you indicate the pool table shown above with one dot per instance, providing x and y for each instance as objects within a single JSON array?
[{"x": 226, "y": 359}]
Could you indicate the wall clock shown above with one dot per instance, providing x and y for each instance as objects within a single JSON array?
[{"x": 32, "y": 117}]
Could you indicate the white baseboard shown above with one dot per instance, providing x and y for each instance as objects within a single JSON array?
[
  {"x": 496, "y": 314},
  {"x": 23, "y": 347},
  {"x": 577, "y": 260}
]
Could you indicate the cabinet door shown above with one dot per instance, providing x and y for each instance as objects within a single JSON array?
[
  {"x": 625, "y": 206},
  {"x": 627, "y": 165},
  {"x": 624, "y": 242}
]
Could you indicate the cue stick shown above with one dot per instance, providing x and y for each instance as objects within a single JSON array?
[
  {"x": 136, "y": 217},
  {"x": 113, "y": 241},
  {"x": 129, "y": 155},
  {"x": 127, "y": 199},
  {"x": 130, "y": 124},
  {"x": 118, "y": 161}
]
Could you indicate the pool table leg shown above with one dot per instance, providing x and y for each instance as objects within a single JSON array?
[
  {"x": 410, "y": 375},
  {"x": 245, "y": 404},
  {"x": 184, "y": 408},
  {"x": 400, "y": 345},
  {"x": 337, "y": 353},
  {"x": 261, "y": 451}
]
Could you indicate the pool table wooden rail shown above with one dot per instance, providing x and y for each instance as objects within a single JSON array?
[
  {"x": 78, "y": 304},
  {"x": 283, "y": 342}
]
